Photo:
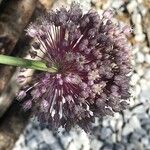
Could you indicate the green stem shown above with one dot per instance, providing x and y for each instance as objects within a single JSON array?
[{"x": 26, "y": 63}]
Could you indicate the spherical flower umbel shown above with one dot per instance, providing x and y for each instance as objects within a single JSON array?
[{"x": 92, "y": 57}]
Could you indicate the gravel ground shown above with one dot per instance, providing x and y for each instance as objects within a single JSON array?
[{"x": 128, "y": 130}]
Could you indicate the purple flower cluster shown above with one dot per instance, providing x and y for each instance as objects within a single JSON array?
[{"x": 92, "y": 56}]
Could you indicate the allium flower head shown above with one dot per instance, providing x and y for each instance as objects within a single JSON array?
[{"x": 92, "y": 57}]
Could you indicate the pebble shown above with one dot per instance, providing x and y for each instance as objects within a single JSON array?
[
  {"x": 130, "y": 147},
  {"x": 31, "y": 136},
  {"x": 142, "y": 115},
  {"x": 83, "y": 138},
  {"x": 129, "y": 127},
  {"x": 147, "y": 58},
  {"x": 134, "y": 122},
  {"x": 43, "y": 146},
  {"x": 105, "y": 122},
  {"x": 127, "y": 115},
  {"x": 119, "y": 146},
  {"x": 105, "y": 133},
  {"x": 135, "y": 137},
  {"x": 134, "y": 79},
  {"x": 47, "y": 136},
  {"x": 143, "y": 83},
  {"x": 145, "y": 141},
  {"x": 140, "y": 57},
  {"x": 146, "y": 124},
  {"x": 119, "y": 124},
  {"x": 117, "y": 4},
  {"x": 147, "y": 74},
  {"x": 137, "y": 90},
  {"x": 132, "y": 6},
  {"x": 135, "y": 49},
  {"x": 127, "y": 130},
  {"x": 139, "y": 69},
  {"x": 146, "y": 49},
  {"x": 138, "y": 110},
  {"x": 142, "y": 9},
  {"x": 32, "y": 144},
  {"x": 136, "y": 18},
  {"x": 139, "y": 146},
  {"x": 144, "y": 95},
  {"x": 141, "y": 132},
  {"x": 107, "y": 147},
  {"x": 140, "y": 1},
  {"x": 140, "y": 37},
  {"x": 65, "y": 140},
  {"x": 95, "y": 144},
  {"x": 85, "y": 5}
]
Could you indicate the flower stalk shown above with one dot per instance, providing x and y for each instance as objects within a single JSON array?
[{"x": 26, "y": 63}]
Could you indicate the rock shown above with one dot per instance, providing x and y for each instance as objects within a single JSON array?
[
  {"x": 136, "y": 18},
  {"x": 86, "y": 4},
  {"x": 135, "y": 137},
  {"x": 135, "y": 49},
  {"x": 146, "y": 49},
  {"x": 119, "y": 146},
  {"x": 130, "y": 147},
  {"x": 65, "y": 139},
  {"x": 119, "y": 124},
  {"x": 13, "y": 18},
  {"x": 140, "y": 37},
  {"x": 134, "y": 79},
  {"x": 140, "y": 132},
  {"x": 107, "y": 147},
  {"x": 137, "y": 90},
  {"x": 138, "y": 110},
  {"x": 143, "y": 82},
  {"x": 31, "y": 136},
  {"x": 32, "y": 144},
  {"x": 145, "y": 141},
  {"x": 127, "y": 130},
  {"x": 139, "y": 69},
  {"x": 140, "y": 57},
  {"x": 144, "y": 95},
  {"x": 132, "y": 6},
  {"x": 117, "y": 4},
  {"x": 43, "y": 146},
  {"x": 147, "y": 58},
  {"x": 95, "y": 144},
  {"x": 140, "y": 1},
  {"x": 147, "y": 74},
  {"x": 142, "y": 9},
  {"x": 131, "y": 126},
  {"x": 105, "y": 122},
  {"x": 112, "y": 124},
  {"x": 47, "y": 136},
  {"x": 12, "y": 125},
  {"x": 80, "y": 139},
  {"x": 141, "y": 116},
  {"x": 145, "y": 123},
  {"x": 127, "y": 115},
  {"x": 134, "y": 122},
  {"x": 56, "y": 146},
  {"x": 112, "y": 139},
  {"x": 105, "y": 133}
]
